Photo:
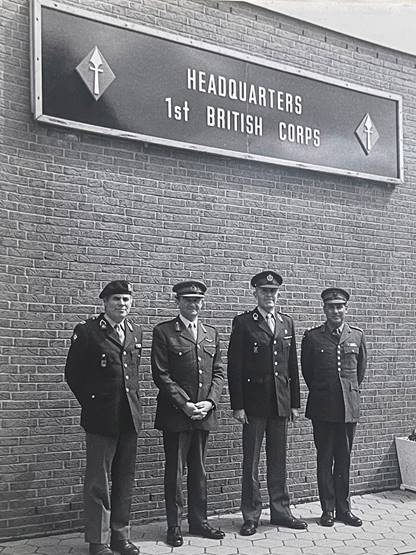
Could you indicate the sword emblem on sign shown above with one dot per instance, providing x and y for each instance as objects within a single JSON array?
[
  {"x": 367, "y": 134},
  {"x": 95, "y": 73}
]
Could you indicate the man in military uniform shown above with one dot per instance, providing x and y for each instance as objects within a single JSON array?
[
  {"x": 263, "y": 382},
  {"x": 334, "y": 359},
  {"x": 102, "y": 370},
  {"x": 187, "y": 369}
]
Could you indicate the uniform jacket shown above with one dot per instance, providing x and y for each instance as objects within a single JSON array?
[
  {"x": 263, "y": 374},
  {"x": 104, "y": 375},
  {"x": 333, "y": 371},
  {"x": 185, "y": 370}
]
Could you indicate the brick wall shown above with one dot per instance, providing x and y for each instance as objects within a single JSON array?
[{"x": 80, "y": 209}]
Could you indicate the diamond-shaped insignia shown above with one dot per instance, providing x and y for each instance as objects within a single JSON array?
[
  {"x": 96, "y": 73},
  {"x": 367, "y": 134}
]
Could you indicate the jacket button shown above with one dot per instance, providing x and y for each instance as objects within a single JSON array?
[
  {"x": 200, "y": 371},
  {"x": 200, "y": 384},
  {"x": 275, "y": 352},
  {"x": 199, "y": 358},
  {"x": 275, "y": 363},
  {"x": 180, "y": 353},
  {"x": 248, "y": 379},
  {"x": 124, "y": 353},
  {"x": 125, "y": 364},
  {"x": 127, "y": 377},
  {"x": 92, "y": 396},
  {"x": 127, "y": 389},
  {"x": 276, "y": 373}
]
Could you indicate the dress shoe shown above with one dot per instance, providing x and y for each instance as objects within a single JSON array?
[
  {"x": 248, "y": 528},
  {"x": 174, "y": 536},
  {"x": 206, "y": 531},
  {"x": 348, "y": 518},
  {"x": 290, "y": 522},
  {"x": 327, "y": 519},
  {"x": 124, "y": 547},
  {"x": 100, "y": 549}
]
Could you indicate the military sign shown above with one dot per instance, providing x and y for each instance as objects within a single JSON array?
[{"x": 105, "y": 75}]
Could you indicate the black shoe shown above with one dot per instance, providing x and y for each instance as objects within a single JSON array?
[
  {"x": 124, "y": 547},
  {"x": 248, "y": 528},
  {"x": 349, "y": 519},
  {"x": 206, "y": 531},
  {"x": 290, "y": 522},
  {"x": 174, "y": 536},
  {"x": 100, "y": 549},
  {"x": 327, "y": 519}
]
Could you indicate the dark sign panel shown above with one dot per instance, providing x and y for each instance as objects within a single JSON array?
[{"x": 109, "y": 76}]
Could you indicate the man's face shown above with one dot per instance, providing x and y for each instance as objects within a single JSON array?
[
  {"x": 266, "y": 297},
  {"x": 189, "y": 307},
  {"x": 118, "y": 306},
  {"x": 335, "y": 313}
]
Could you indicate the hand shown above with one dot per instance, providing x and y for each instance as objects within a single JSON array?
[
  {"x": 240, "y": 415},
  {"x": 204, "y": 407},
  {"x": 190, "y": 409},
  {"x": 294, "y": 413}
]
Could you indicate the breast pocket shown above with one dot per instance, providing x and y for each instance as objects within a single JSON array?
[
  {"x": 179, "y": 353},
  {"x": 209, "y": 350}
]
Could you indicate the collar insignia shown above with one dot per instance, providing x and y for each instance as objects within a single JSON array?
[
  {"x": 103, "y": 324},
  {"x": 255, "y": 316}
]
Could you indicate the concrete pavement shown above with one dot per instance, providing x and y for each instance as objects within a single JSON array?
[{"x": 389, "y": 529}]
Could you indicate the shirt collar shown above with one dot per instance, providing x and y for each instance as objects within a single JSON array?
[
  {"x": 187, "y": 322},
  {"x": 264, "y": 313},
  {"x": 340, "y": 328},
  {"x": 112, "y": 323}
]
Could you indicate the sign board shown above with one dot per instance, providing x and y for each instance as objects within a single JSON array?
[{"x": 106, "y": 75}]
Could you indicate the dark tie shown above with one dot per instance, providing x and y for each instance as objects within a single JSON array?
[
  {"x": 192, "y": 329},
  {"x": 270, "y": 321},
  {"x": 120, "y": 332}
]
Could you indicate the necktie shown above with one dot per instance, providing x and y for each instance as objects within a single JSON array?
[
  {"x": 270, "y": 321},
  {"x": 336, "y": 332},
  {"x": 192, "y": 329},
  {"x": 120, "y": 332}
]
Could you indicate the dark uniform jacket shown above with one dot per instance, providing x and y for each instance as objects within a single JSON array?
[
  {"x": 333, "y": 372},
  {"x": 263, "y": 374},
  {"x": 185, "y": 370},
  {"x": 104, "y": 376}
]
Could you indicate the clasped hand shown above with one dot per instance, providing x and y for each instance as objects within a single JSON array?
[{"x": 197, "y": 411}]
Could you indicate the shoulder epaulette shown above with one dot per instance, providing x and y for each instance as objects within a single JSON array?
[
  {"x": 312, "y": 329},
  {"x": 356, "y": 328}
]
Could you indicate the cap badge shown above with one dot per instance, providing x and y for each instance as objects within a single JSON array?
[
  {"x": 269, "y": 277},
  {"x": 194, "y": 288}
]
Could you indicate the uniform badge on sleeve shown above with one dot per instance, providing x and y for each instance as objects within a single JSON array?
[{"x": 74, "y": 337}]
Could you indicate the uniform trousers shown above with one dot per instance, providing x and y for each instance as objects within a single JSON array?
[
  {"x": 109, "y": 459},
  {"x": 185, "y": 449},
  {"x": 275, "y": 430},
  {"x": 333, "y": 441}
]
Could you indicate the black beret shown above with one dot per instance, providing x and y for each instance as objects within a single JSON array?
[
  {"x": 117, "y": 287},
  {"x": 190, "y": 288},
  {"x": 267, "y": 279},
  {"x": 335, "y": 295}
]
